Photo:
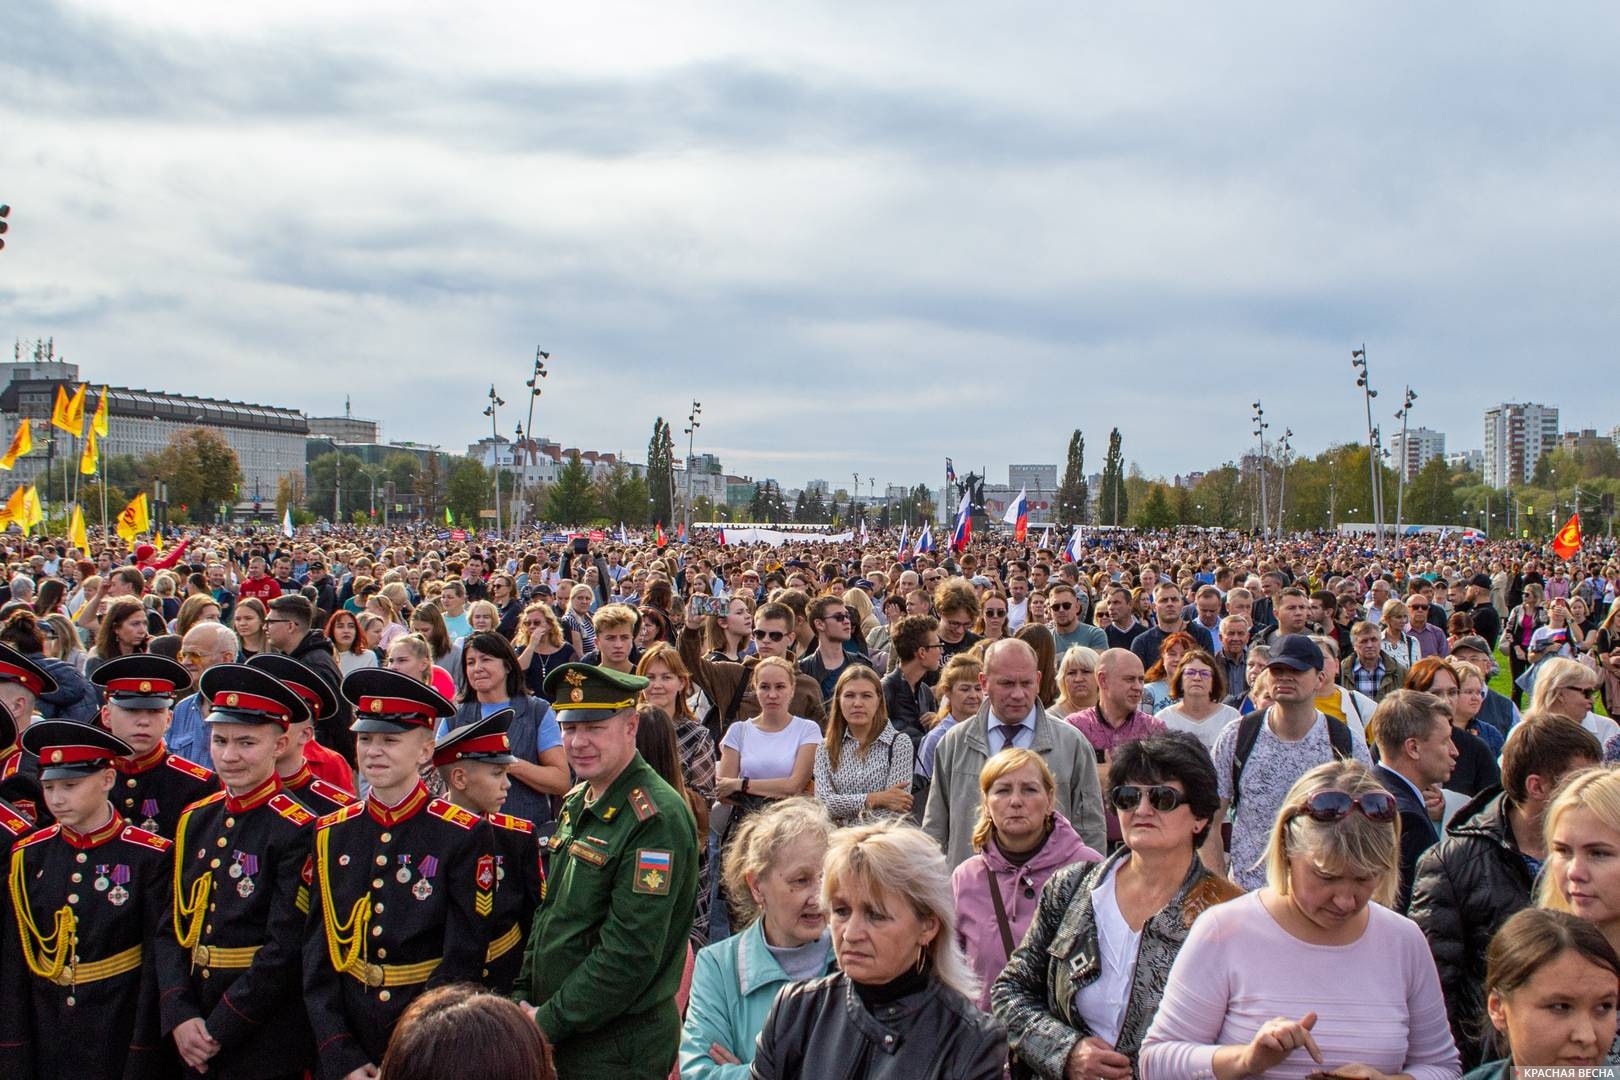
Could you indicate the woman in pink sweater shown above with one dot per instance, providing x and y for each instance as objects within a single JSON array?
[{"x": 1309, "y": 974}]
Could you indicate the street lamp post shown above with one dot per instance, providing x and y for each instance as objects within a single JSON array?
[
  {"x": 1260, "y": 427},
  {"x": 1358, "y": 360},
  {"x": 533, "y": 383},
  {"x": 1406, "y": 457},
  {"x": 1282, "y": 492},
  {"x": 692, "y": 424},
  {"x": 495, "y": 402}
]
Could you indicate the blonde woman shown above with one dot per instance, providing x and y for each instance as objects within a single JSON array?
[
  {"x": 886, "y": 888},
  {"x": 1348, "y": 987},
  {"x": 1076, "y": 682},
  {"x": 1397, "y": 644},
  {"x": 1568, "y": 688},
  {"x": 484, "y": 617},
  {"x": 540, "y": 645},
  {"x": 383, "y": 608}
]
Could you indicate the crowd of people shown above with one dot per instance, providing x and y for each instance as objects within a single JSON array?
[{"x": 377, "y": 803}]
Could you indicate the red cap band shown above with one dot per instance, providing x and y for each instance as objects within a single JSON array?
[
  {"x": 235, "y": 699},
  {"x": 75, "y": 755},
  {"x": 488, "y": 744},
  {"x": 140, "y": 686},
  {"x": 13, "y": 673},
  {"x": 393, "y": 706}
]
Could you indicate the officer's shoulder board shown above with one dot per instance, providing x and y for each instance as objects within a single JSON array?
[
  {"x": 289, "y": 808},
  {"x": 641, "y": 804},
  {"x": 339, "y": 816},
  {"x": 38, "y": 838},
  {"x": 13, "y": 763},
  {"x": 507, "y": 821},
  {"x": 331, "y": 791},
  {"x": 455, "y": 815},
  {"x": 190, "y": 768},
  {"x": 142, "y": 838},
  {"x": 13, "y": 822},
  {"x": 206, "y": 800}
]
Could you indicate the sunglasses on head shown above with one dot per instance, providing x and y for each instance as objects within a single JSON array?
[
  {"x": 770, "y": 635},
  {"x": 1161, "y": 797},
  {"x": 1329, "y": 806}
]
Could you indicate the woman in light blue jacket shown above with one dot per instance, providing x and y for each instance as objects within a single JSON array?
[{"x": 773, "y": 877}]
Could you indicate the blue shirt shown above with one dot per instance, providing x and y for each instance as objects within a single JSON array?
[
  {"x": 1024, "y": 736},
  {"x": 548, "y": 737},
  {"x": 188, "y": 733}
]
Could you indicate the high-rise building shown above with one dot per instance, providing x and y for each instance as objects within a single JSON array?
[
  {"x": 1472, "y": 460},
  {"x": 1421, "y": 444},
  {"x": 1516, "y": 435}
]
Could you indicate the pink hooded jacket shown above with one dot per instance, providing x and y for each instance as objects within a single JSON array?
[{"x": 1020, "y": 888}]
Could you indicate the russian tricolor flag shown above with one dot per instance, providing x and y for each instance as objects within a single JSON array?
[
  {"x": 964, "y": 525},
  {"x": 925, "y": 540},
  {"x": 1071, "y": 550},
  {"x": 1018, "y": 516}
]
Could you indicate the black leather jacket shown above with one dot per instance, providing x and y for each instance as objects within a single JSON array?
[{"x": 821, "y": 1030}]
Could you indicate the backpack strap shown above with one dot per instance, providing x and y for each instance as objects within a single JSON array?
[
  {"x": 1248, "y": 734},
  {"x": 1339, "y": 736}
]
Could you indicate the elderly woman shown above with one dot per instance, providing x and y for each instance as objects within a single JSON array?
[
  {"x": 1476, "y": 767},
  {"x": 1567, "y": 688},
  {"x": 1080, "y": 991},
  {"x": 773, "y": 875},
  {"x": 1021, "y": 842},
  {"x": 900, "y": 1006},
  {"x": 1076, "y": 682},
  {"x": 1347, "y": 986}
]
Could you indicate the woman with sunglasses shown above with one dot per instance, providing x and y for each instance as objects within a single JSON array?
[
  {"x": 1347, "y": 987},
  {"x": 992, "y": 624},
  {"x": 1568, "y": 688},
  {"x": 1080, "y": 991},
  {"x": 541, "y": 645},
  {"x": 1021, "y": 841}
]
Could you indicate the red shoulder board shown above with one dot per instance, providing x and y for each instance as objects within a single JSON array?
[
  {"x": 42, "y": 835},
  {"x": 331, "y": 791},
  {"x": 507, "y": 821},
  {"x": 13, "y": 763},
  {"x": 190, "y": 768},
  {"x": 142, "y": 838},
  {"x": 337, "y": 816},
  {"x": 13, "y": 822},
  {"x": 288, "y": 807},
  {"x": 204, "y": 801},
  {"x": 452, "y": 813}
]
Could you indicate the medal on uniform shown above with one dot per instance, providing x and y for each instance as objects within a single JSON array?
[
  {"x": 424, "y": 884},
  {"x": 236, "y": 865},
  {"x": 149, "y": 808},
  {"x": 118, "y": 894},
  {"x": 500, "y": 870},
  {"x": 101, "y": 878},
  {"x": 403, "y": 874},
  {"x": 249, "y": 865}
]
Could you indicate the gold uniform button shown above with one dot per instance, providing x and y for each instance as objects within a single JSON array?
[
  {"x": 376, "y": 883},
  {"x": 382, "y": 860},
  {"x": 382, "y": 954},
  {"x": 222, "y": 841},
  {"x": 205, "y": 973},
  {"x": 129, "y": 802},
  {"x": 376, "y": 931},
  {"x": 386, "y": 837},
  {"x": 130, "y": 782},
  {"x": 383, "y": 995},
  {"x": 377, "y": 909},
  {"x": 81, "y": 857},
  {"x": 73, "y": 898},
  {"x": 230, "y": 823},
  {"x": 214, "y": 863},
  {"x": 76, "y": 877}
]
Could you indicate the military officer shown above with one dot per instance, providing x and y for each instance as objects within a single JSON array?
[
  {"x": 229, "y": 955},
  {"x": 297, "y": 778},
  {"x": 88, "y": 895},
  {"x": 404, "y": 882},
  {"x": 22, "y": 682},
  {"x": 153, "y": 784},
  {"x": 620, "y": 896},
  {"x": 473, "y": 762}
]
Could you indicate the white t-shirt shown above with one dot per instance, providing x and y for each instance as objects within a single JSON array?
[
  {"x": 1207, "y": 730},
  {"x": 1103, "y": 1001},
  {"x": 1601, "y": 726},
  {"x": 770, "y": 755}
]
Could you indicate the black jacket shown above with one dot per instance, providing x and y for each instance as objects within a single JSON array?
[
  {"x": 1466, "y": 887},
  {"x": 1417, "y": 831},
  {"x": 315, "y": 652},
  {"x": 821, "y": 1030}
]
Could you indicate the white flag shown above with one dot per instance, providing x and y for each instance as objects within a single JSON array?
[{"x": 286, "y": 523}]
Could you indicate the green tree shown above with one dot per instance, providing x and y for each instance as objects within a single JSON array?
[
  {"x": 661, "y": 474},
  {"x": 757, "y": 508},
  {"x": 1113, "y": 503},
  {"x": 799, "y": 505},
  {"x": 201, "y": 470},
  {"x": 1072, "y": 493},
  {"x": 467, "y": 489},
  {"x": 815, "y": 508},
  {"x": 1186, "y": 513},
  {"x": 621, "y": 495},
  {"x": 1430, "y": 497},
  {"x": 403, "y": 468},
  {"x": 320, "y": 486},
  {"x": 1155, "y": 511},
  {"x": 571, "y": 500},
  {"x": 429, "y": 487}
]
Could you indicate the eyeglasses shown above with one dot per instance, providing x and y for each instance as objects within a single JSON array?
[
  {"x": 1330, "y": 806},
  {"x": 837, "y": 616},
  {"x": 192, "y": 655},
  {"x": 1196, "y": 673},
  {"x": 931, "y": 645},
  {"x": 1587, "y": 692},
  {"x": 770, "y": 635},
  {"x": 1065, "y": 606},
  {"x": 1161, "y": 797},
  {"x": 995, "y": 613},
  {"x": 277, "y": 622}
]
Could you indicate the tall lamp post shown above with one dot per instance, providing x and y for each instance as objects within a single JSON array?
[
  {"x": 1406, "y": 458},
  {"x": 1282, "y": 494},
  {"x": 1358, "y": 360},
  {"x": 533, "y": 383},
  {"x": 692, "y": 424},
  {"x": 1260, "y": 427},
  {"x": 495, "y": 402}
]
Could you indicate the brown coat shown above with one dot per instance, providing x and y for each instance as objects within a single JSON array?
[{"x": 721, "y": 679}]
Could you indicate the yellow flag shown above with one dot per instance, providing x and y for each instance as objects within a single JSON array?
[
  {"x": 62, "y": 414},
  {"x": 33, "y": 512},
  {"x": 157, "y": 541},
  {"x": 21, "y": 443},
  {"x": 90, "y": 460},
  {"x": 133, "y": 519},
  {"x": 76, "y": 409},
  {"x": 98, "y": 422},
  {"x": 77, "y": 534},
  {"x": 13, "y": 511}
]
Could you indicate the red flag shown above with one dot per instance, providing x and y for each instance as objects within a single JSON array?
[
  {"x": 1568, "y": 541},
  {"x": 658, "y": 535}
]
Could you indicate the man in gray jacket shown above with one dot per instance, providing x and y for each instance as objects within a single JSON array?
[{"x": 1012, "y": 715}]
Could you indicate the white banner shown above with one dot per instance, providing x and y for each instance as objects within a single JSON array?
[{"x": 776, "y": 538}]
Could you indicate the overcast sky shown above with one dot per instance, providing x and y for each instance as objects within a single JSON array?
[{"x": 865, "y": 236}]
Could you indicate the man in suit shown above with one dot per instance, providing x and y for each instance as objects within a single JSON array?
[{"x": 1413, "y": 731}]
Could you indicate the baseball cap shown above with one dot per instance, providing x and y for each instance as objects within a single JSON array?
[
  {"x": 1480, "y": 581},
  {"x": 1296, "y": 651},
  {"x": 1471, "y": 642}
]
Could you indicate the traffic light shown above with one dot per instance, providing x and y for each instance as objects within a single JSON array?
[{"x": 5, "y": 212}]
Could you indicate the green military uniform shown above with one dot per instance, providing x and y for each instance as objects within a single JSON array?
[{"x": 608, "y": 946}]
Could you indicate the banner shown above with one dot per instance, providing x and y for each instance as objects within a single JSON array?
[
  {"x": 21, "y": 443},
  {"x": 134, "y": 519},
  {"x": 776, "y": 538}
]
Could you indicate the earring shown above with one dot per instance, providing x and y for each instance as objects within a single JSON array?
[{"x": 922, "y": 959}]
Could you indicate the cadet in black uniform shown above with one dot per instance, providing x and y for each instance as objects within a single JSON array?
[
  {"x": 404, "y": 883},
  {"x": 229, "y": 958},
  {"x": 88, "y": 897},
  {"x": 153, "y": 784},
  {"x": 473, "y": 762},
  {"x": 21, "y": 683},
  {"x": 297, "y": 779}
]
